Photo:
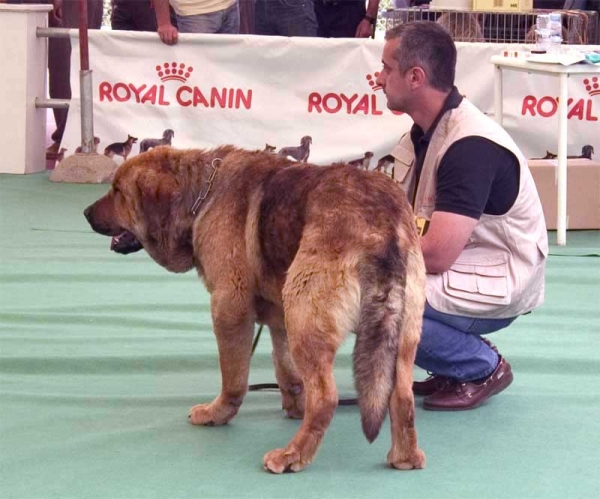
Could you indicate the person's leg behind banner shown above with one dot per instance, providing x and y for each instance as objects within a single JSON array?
[
  {"x": 59, "y": 59},
  {"x": 338, "y": 19},
  {"x": 226, "y": 21},
  {"x": 285, "y": 18},
  {"x": 230, "y": 24},
  {"x": 133, "y": 15}
]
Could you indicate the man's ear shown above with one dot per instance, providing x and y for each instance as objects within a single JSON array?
[{"x": 417, "y": 76}]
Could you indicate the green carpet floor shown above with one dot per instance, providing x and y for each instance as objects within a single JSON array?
[{"x": 101, "y": 356}]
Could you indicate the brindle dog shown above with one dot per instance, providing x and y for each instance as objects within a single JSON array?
[{"x": 313, "y": 252}]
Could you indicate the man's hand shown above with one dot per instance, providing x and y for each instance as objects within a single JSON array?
[
  {"x": 364, "y": 29},
  {"x": 168, "y": 34},
  {"x": 166, "y": 31},
  {"x": 57, "y": 11}
]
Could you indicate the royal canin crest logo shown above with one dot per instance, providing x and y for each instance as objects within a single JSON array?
[
  {"x": 342, "y": 102},
  {"x": 167, "y": 95},
  {"x": 173, "y": 71},
  {"x": 580, "y": 109},
  {"x": 592, "y": 86},
  {"x": 372, "y": 79}
]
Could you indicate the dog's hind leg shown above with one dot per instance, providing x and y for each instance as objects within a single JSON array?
[
  {"x": 319, "y": 307},
  {"x": 405, "y": 454},
  {"x": 234, "y": 328},
  {"x": 290, "y": 384}
]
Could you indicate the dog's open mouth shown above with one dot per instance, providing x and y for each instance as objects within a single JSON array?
[{"x": 125, "y": 243}]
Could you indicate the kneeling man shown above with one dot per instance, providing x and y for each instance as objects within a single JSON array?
[{"x": 483, "y": 233}]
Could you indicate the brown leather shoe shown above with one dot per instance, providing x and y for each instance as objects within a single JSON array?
[
  {"x": 435, "y": 382},
  {"x": 456, "y": 396},
  {"x": 430, "y": 385}
]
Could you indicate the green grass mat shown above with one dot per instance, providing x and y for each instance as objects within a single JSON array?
[{"x": 102, "y": 355}]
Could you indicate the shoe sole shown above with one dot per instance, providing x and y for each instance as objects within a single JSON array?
[{"x": 508, "y": 379}]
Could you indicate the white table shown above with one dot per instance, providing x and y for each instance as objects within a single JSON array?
[{"x": 563, "y": 73}]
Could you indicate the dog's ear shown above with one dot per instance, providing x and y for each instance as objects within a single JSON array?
[{"x": 169, "y": 237}]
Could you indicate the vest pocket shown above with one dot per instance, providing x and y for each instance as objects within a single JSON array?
[
  {"x": 484, "y": 282},
  {"x": 404, "y": 159}
]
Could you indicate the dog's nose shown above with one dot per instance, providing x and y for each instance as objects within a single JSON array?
[{"x": 87, "y": 213}]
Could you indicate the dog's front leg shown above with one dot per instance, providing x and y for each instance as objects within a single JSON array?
[{"x": 234, "y": 327}]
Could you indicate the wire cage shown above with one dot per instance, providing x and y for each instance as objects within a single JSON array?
[{"x": 579, "y": 27}]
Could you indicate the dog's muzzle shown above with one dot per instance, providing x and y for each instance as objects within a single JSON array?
[{"x": 125, "y": 243}]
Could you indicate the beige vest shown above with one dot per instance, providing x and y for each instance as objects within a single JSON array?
[{"x": 500, "y": 272}]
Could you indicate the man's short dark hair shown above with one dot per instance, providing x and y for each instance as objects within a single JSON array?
[{"x": 428, "y": 45}]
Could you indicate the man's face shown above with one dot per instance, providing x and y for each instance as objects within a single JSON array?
[{"x": 394, "y": 84}]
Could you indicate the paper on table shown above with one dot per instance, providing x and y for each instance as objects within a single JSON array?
[{"x": 566, "y": 59}]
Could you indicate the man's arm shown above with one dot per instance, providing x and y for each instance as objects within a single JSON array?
[
  {"x": 447, "y": 235},
  {"x": 167, "y": 32},
  {"x": 475, "y": 176},
  {"x": 365, "y": 28}
]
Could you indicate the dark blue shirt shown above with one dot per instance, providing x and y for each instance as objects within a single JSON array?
[{"x": 475, "y": 176}]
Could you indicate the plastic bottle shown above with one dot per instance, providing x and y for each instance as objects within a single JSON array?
[
  {"x": 542, "y": 33},
  {"x": 555, "y": 33}
]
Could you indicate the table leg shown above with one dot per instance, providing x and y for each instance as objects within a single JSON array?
[
  {"x": 561, "y": 197},
  {"x": 498, "y": 111}
]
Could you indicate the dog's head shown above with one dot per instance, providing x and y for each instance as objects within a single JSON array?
[
  {"x": 141, "y": 210},
  {"x": 131, "y": 139},
  {"x": 306, "y": 140},
  {"x": 168, "y": 134}
]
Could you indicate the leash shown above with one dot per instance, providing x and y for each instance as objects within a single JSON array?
[
  {"x": 206, "y": 187},
  {"x": 275, "y": 386}
]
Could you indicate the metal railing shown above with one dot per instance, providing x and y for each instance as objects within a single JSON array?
[
  {"x": 42, "y": 102},
  {"x": 85, "y": 79},
  {"x": 579, "y": 27}
]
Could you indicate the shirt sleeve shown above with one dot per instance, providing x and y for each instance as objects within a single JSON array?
[{"x": 477, "y": 176}]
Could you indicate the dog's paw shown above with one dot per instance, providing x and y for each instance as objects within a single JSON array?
[
  {"x": 213, "y": 414},
  {"x": 415, "y": 461},
  {"x": 280, "y": 460}
]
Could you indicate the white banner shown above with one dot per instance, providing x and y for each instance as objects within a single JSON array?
[{"x": 253, "y": 90}]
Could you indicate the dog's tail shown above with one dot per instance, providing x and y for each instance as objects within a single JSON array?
[{"x": 383, "y": 302}]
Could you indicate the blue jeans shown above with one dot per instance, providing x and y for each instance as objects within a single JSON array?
[
  {"x": 225, "y": 21},
  {"x": 285, "y": 18},
  {"x": 451, "y": 345}
]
